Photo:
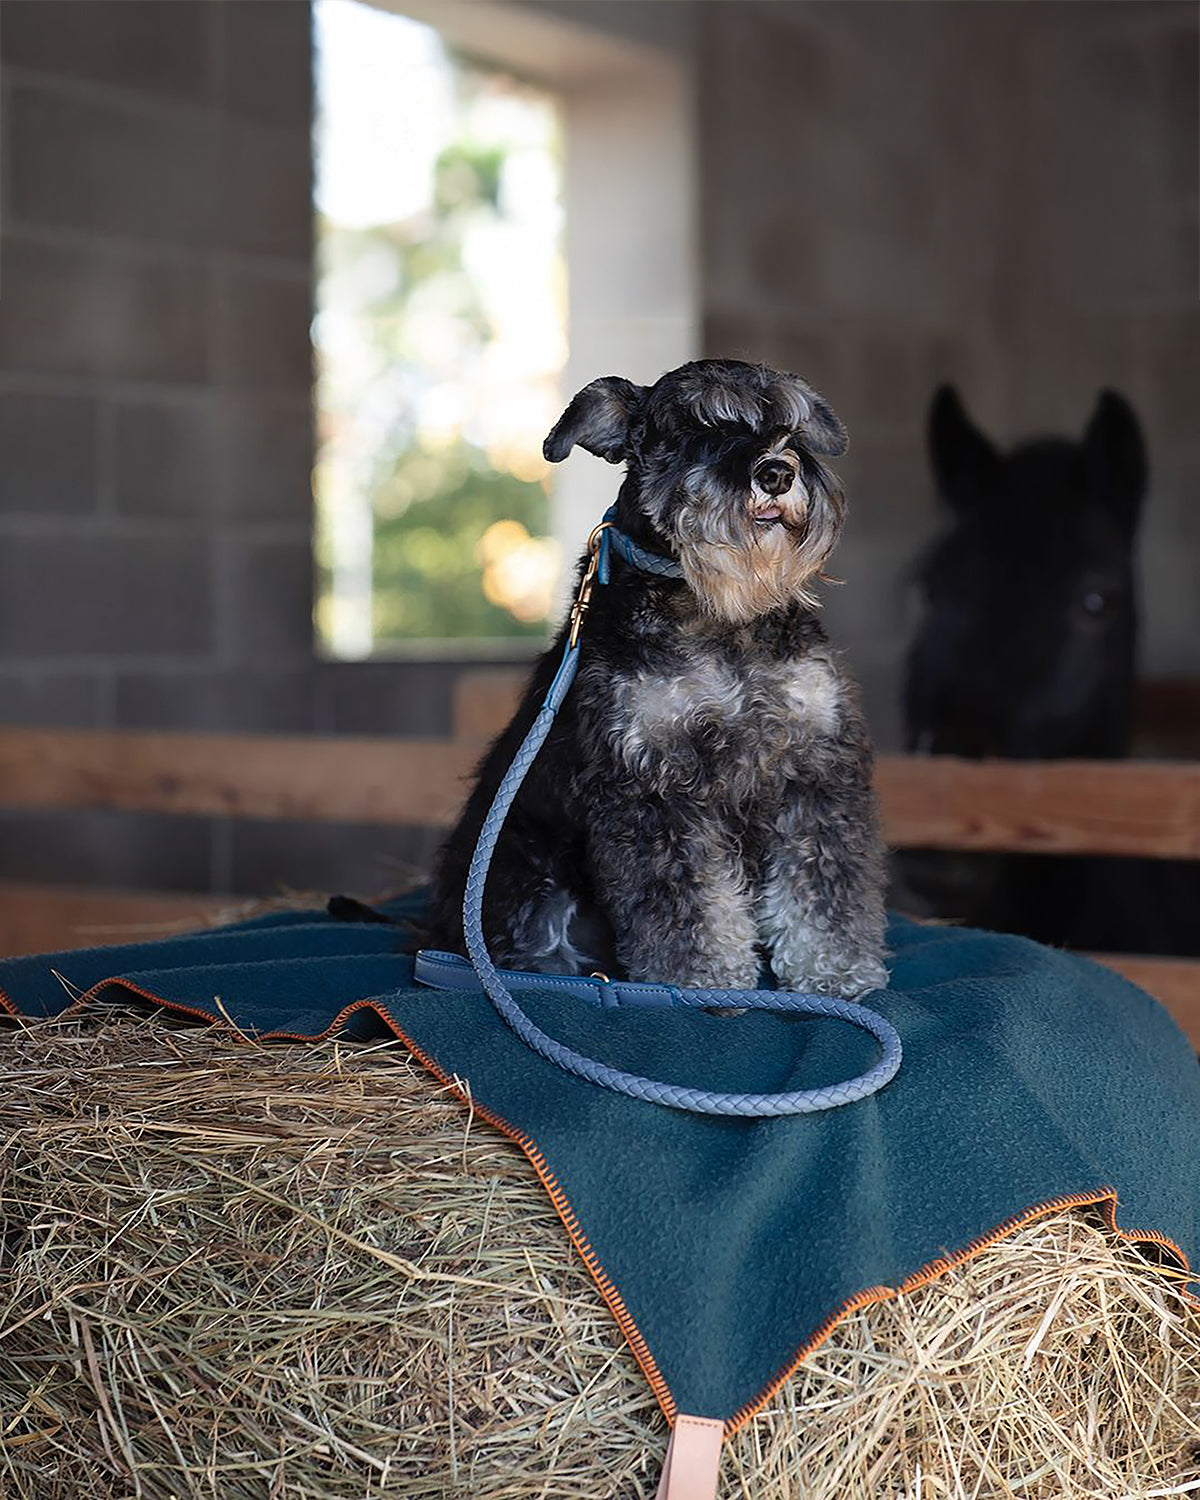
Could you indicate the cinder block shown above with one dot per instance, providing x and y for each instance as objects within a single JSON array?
[
  {"x": 786, "y": 253},
  {"x": 100, "y": 311},
  {"x": 136, "y": 44},
  {"x": 111, "y": 849},
  {"x": 884, "y": 372},
  {"x": 881, "y": 686},
  {"x": 388, "y": 697},
  {"x": 252, "y": 459},
  {"x": 47, "y": 454},
  {"x": 269, "y": 60},
  {"x": 58, "y": 699},
  {"x": 166, "y": 459},
  {"x": 264, "y": 339},
  {"x": 955, "y": 359},
  {"x": 813, "y": 356},
  {"x": 103, "y": 595},
  {"x": 893, "y": 489},
  {"x": 268, "y": 459},
  {"x": 1106, "y": 238},
  {"x": 133, "y": 170},
  {"x": 1174, "y": 487},
  {"x": 253, "y": 701},
  {"x": 266, "y": 189},
  {"x": 325, "y": 859},
  {"x": 760, "y": 78},
  {"x": 266, "y": 598},
  {"x": 1177, "y": 88},
  {"x": 870, "y": 613},
  {"x": 1170, "y": 622},
  {"x": 730, "y": 333},
  {"x": 1175, "y": 373}
]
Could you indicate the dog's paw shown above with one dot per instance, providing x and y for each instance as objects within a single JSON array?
[
  {"x": 867, "y": 975},
  {"x": 842, "y": 976}
]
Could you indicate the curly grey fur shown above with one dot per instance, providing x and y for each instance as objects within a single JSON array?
[{"x": 704, "y": 802}]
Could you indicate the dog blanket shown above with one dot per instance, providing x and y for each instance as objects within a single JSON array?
[{"x": 728, "y": 1248}]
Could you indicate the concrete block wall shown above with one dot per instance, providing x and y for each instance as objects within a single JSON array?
[
  {"x": 1000, "y": 194},
  {"x": 155, "y": 368},
  {"x": 1004, "y": 194},
  {"x": 156, "y": 426}
]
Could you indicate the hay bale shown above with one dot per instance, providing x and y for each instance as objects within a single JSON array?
[{"x": 236, "y": 1270}]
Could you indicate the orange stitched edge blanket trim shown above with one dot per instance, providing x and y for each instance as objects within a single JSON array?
[{"x": 570, "y": 1221}]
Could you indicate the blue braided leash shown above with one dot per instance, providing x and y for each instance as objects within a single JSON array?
[{"x": 439, "y": 969}]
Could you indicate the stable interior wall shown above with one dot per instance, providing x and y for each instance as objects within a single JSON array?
[
  {"x": 999, "y": 194},
  {"x": 1002, "y": 194},
  {"x": 156, "y": 424}
]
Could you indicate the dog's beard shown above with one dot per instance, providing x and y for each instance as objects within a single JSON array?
[{"x": 740, "y": 569}]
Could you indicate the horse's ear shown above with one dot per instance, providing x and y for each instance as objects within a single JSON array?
[
  {"x": 597, "y": 419},
  {"x": 1114, "y": 458},
  {"x": 964, "y": 461}
]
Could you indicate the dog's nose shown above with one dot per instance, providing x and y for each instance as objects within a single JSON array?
[{"x": 774, "y": 476}]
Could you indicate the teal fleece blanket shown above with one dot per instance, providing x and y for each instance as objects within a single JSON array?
[{"x": 728, "y": 1248}]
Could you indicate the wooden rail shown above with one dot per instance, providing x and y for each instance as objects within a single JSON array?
[
  {"x": 1174, "y": 981},
  {"x": 1041, "y": 807},
  {"x": 309, "y": 778},
  {"x": 1061, "y": 807},
  {"x": 46, "y": 918}
]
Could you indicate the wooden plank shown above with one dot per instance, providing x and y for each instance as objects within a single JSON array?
[
  {"x": 309, "y": 778},
  {"x": 43, "y": 918},
  {"x": 1166, "y": 703},
  {"x": 1166, "y": 720},
  {"x": 1048, "y": 807},
  {"x": 1174, "y": 981},
  {"x": 484, "y": 701},
  {"x": 1065, "y": 807}
]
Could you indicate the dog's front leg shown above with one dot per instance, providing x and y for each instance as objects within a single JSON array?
[
  {"x": 821, "y": 902},
  {"x": 676, "y": 893}
]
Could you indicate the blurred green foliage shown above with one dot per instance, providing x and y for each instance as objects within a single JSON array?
[
  {"x": 419, "y": 316},
  {"x": 428, "y": 579}
]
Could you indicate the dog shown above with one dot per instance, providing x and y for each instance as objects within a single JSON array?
[{"x": 703, "y": 805}]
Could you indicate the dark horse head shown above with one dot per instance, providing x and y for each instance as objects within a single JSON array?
[{"x": 1026, "y": 649}]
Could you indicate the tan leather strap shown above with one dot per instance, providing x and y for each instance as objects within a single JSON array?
[{"x": 693, "y": 1458}]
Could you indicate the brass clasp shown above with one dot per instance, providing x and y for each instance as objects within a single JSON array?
[{"x": 584, "y": 597}]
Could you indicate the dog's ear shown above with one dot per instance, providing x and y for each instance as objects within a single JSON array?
[
  {"x": 964, "y": 461},
  {"x": 812, "y": 417},
  {"x": 1114, "y": 459},
  {"x": 597, "y": 419}
]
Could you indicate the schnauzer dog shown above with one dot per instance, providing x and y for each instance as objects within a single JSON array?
[{"x": 703, "y": 802}]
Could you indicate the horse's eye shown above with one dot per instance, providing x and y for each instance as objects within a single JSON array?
[{"x": 1095, "y": 602}]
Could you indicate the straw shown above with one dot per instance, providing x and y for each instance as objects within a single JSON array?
[{"x": 282, "y": 1271}]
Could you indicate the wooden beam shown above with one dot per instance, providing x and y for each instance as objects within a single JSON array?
[
  {"x": 1041, "y": 807},
  {"x": 43, "y": 918},
  {"x": 484, "y": 701},
  {"x": 1062, "y": 807},
  {"x": 309, "y": 778},
  {"x": 1174, "y": 981}
]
